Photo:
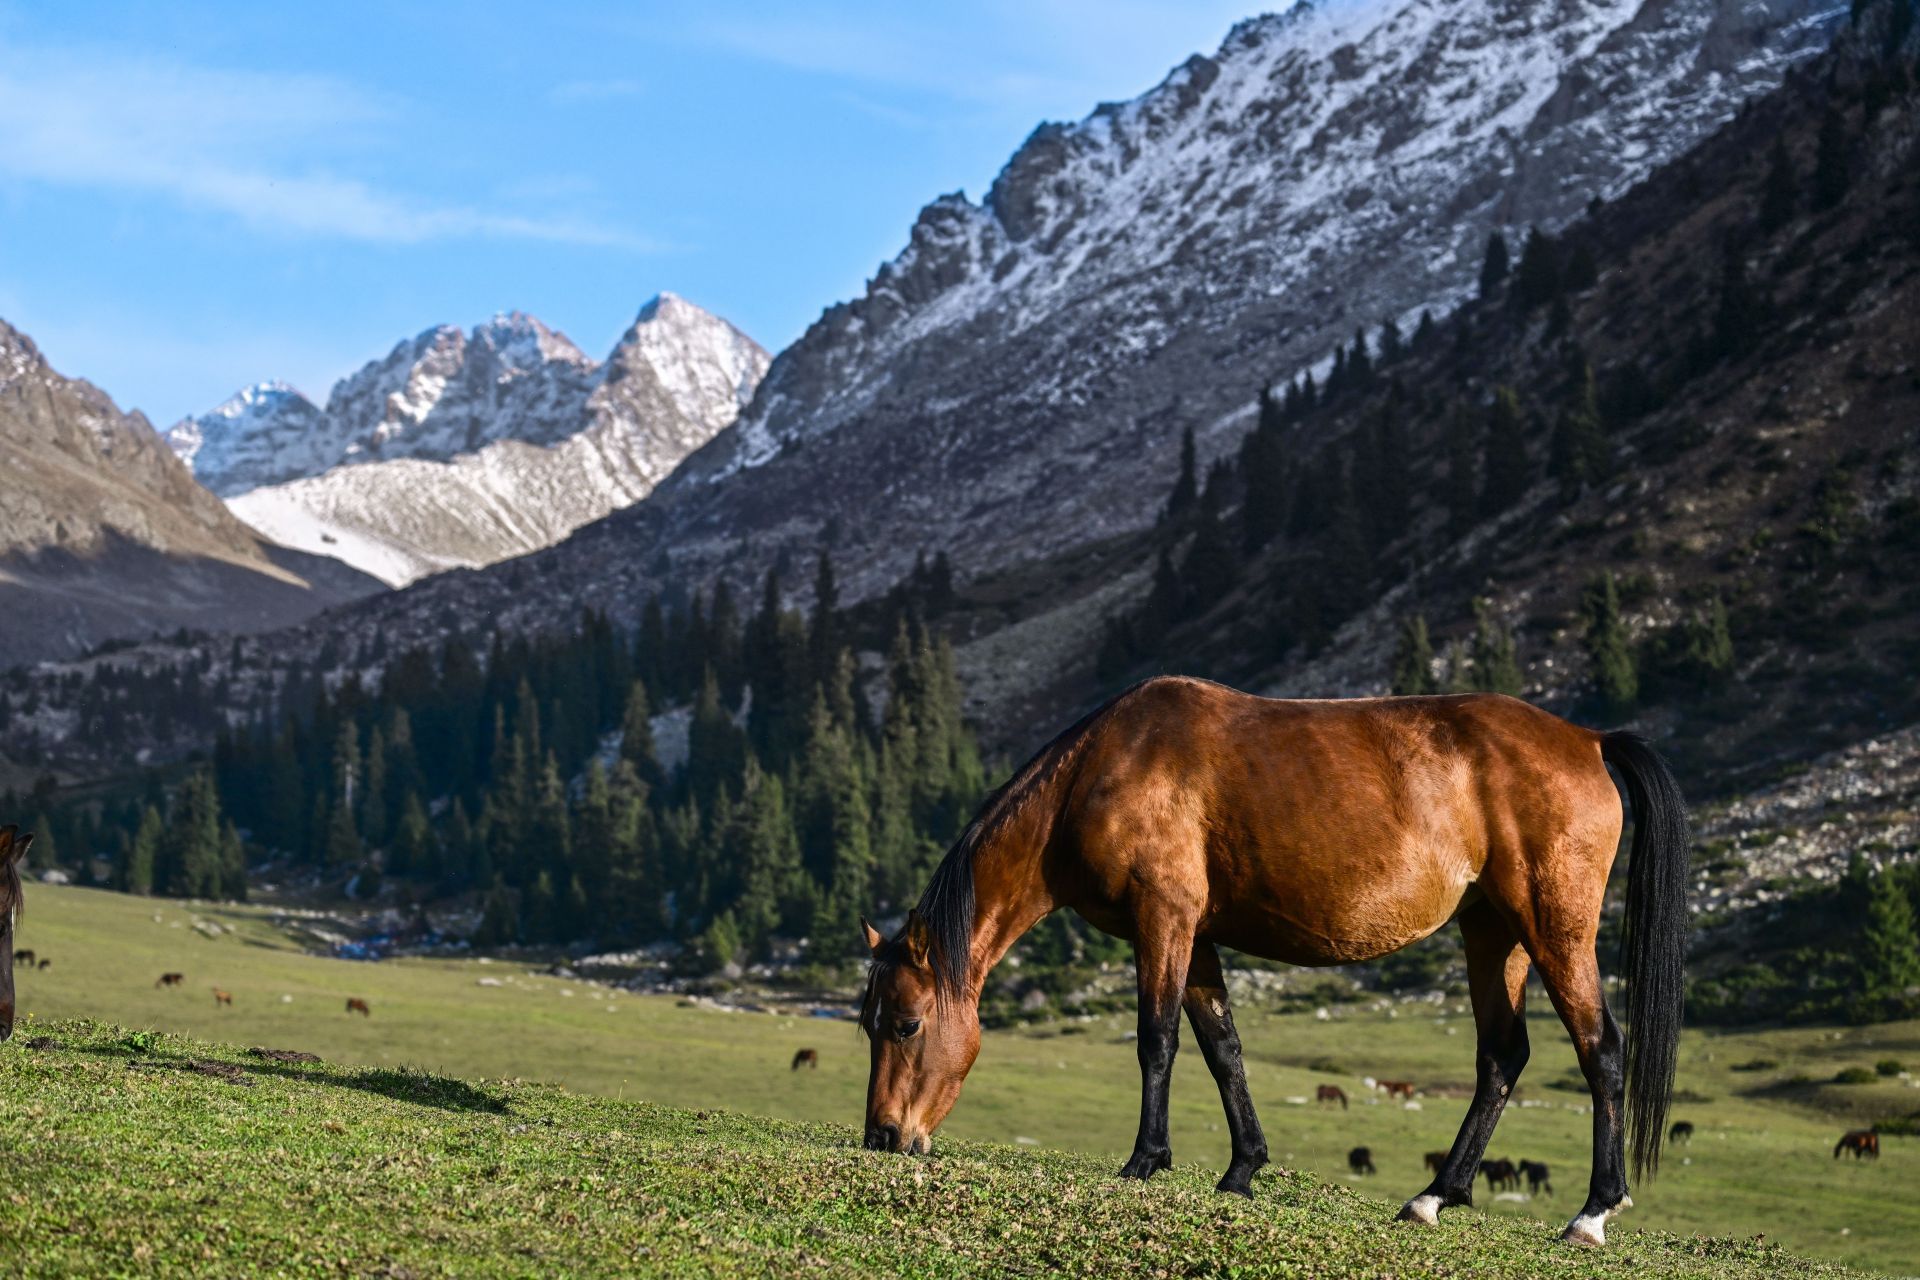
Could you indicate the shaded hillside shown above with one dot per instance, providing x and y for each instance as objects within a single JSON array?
[
  {"x": 1707, "y": 391},
  {"x": 104, "y": 534}
]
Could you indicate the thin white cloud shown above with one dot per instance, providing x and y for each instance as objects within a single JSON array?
[
  {"x": 225, "y": 141},
  {"x": 573, "y": 91}
]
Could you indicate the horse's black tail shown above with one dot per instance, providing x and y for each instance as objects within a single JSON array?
[{"x": 1653, "y": 949}]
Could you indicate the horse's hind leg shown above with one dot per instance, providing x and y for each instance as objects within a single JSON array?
[
  {"x": 1497, "y": 977},
  {"x": 1571, "y": 973},
  {"x": 1163, "y": 951},
  {"x": 1212, "y": 1019}
]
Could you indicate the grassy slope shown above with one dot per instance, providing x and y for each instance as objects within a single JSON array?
[
  {"x": 1760, "y": 1163},
  {"x": 121, "y": 1161}
]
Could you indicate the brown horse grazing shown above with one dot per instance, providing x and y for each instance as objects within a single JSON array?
[
  {"x": 222, "y": 997},
  {"x": 1398, "y": 1088},
  {"x": 1682, "y": 1131},
  {"x": 356, "y": 1005},
  {"x": 1863, "y": 1143},
  {"x": 806, "y": 1058},
  {"x": 13, "y": 849},
  {"x": 170, "y": 980},
  {"x": 24, "y": 957},
  {"x": 1539, "y": 1177},
  {"x": 1436, "y": 1160},
  {"x": 1183, "y": 816},
  {"x": 1360, "y": 1161},
  {"x": 1331, "y": 1093},
  {"x": 1501, "y": 1175},
  {"x": 45, "y": 964}
]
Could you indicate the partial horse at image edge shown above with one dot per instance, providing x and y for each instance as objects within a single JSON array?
[{"x": 1183, "y": 815}]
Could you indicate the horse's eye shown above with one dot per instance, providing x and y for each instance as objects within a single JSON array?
[{"x": 907, "y": 1027}]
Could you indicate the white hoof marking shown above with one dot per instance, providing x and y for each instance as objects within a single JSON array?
[{"x": 1424, "y": 1208}]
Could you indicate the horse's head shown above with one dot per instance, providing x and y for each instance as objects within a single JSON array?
[
  {"x": 925, "y": 1036},
  {"x": 13, "y": 848}
]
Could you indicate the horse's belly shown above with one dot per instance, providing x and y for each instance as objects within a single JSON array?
[{"x": 1324, "y": 920}]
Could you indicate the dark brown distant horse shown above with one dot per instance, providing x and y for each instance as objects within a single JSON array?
[
  {"x": 1501, "y": 1175},
  {"x": 1360, "y": 1160},
  {"x": 806, "y": 1058},
  {"x": 1398, "y": 1088},
  {"x": 45, "y": 964},
  {"x": 356, "y": 1005},
  {"x": 24, "y": 957},
  {"x": 1331, "y": 1093},
  {"x": 1183, "y": 816},
  {"x": 170, "y": 980},
  {"x": 1863, "y": 1143},
  {"x": 13, "y": 850},
  {"x": 1436, "y": 1160},
  {"x": 1539, "y": 1178},
  {"x": 1682, "y": 1131}
]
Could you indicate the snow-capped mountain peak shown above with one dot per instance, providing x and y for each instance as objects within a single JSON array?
[{"x": 461, "y": 447}]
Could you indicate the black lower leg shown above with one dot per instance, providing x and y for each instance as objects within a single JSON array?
[
  {"x": 1498, "y": 1063},
  {"x": 1159, "y": 1041},
  {"x": 1605, "y": 1069},
  {"x": 1212, "y": 1020}
]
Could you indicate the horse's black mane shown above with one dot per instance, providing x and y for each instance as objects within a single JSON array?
[
  {"x": 947, "y": 906},
  {"x": 10, "y": 893}
]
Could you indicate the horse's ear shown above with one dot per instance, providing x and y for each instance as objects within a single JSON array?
[
  {"x": 874, "y": 941},
  {"x": 21, "y": 844},
  {"x": 917, "y": 940},
  {"x": 6, "y": 840}
]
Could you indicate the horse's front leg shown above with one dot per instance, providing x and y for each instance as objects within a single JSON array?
[
  {"x": 1161, "y": 956},
  {"x": 1212, "y": 1019}
]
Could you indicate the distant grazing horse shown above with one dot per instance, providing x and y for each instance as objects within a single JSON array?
[
  {"x": 806, "y": 1058},
  {"x": 1183, "y": 816},
  {"x": 1682, "y": 1131},
  {"x": 1436, "y": 1160},
  {"x": 222, "y": 997},
  {"x": 24, "y": 957},
  {"x": 1501, "y": 1175},
  {"x": 171, "y": 980},
  {"x": 45, "y": 964},
  {"x": 356, "y": 1005},
  {"x": 1864, "y": 1143},
  {"x": 1331, "y": 1093},
  {"x": 1360, "y": 1160},
  {"x": 1539, "y": 1177},
  {"x": 13, "y": 849},
  {"x": 1398, "y": 1088}
]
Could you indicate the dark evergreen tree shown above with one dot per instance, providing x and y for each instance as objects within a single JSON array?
[
  {"x": 1413, "y": 659},
  {"x": 1537, "y": 281},
  {"x": 1462, "y": 485},
  {"x": 1495, "y": 667},
  {"x": 1505, "y": 465},
  {"x": 1610, "y": 660},
  {"x": 1582, "y": 454},
  {"x": 1493, "y": 268}
]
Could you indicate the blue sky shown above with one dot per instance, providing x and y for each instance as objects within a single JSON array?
[{"x": 198, "y": 196}]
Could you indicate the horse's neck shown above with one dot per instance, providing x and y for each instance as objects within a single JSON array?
[{"x": 1009, "y": 883}]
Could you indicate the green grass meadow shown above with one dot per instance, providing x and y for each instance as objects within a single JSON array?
[{"x": 1045, "y": 1117}]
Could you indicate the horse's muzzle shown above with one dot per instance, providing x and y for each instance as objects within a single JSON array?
[{"x": 883, "y": 1137}]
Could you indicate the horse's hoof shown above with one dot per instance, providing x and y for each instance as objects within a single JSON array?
[
  {"x": 1144, "y": 1165},
  {"x": 1587, "y": 1233},
  {"x": 1424, "y": 1209},
  {"x": 1236, "y": 1186}
]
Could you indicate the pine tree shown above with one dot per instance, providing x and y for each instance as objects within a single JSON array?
[
  {"x": 1780, "y": 194},
  {"x": 1263, "y": 474},
  {"x": 636, "y": 735},
  {"x": 1582, "y": 455},
  {"x": 1413, "y": 659},
  {"x": 1889, "y": 954},
  {"x": 1505, "y": 466},
  {"x": 1495, "y": 666},
  {"x": 1609, "y": 655},
  {"x": 496, "y": 918},
  {"x": 1537, "y": 281},
  {"x": 1493, "y": 269},
  {"x": 1186, "y": 486},
  {"x": 143, "y": 853},
  {"x": 1710, "y": 644},
  {"x": 540, "y": 911}
]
